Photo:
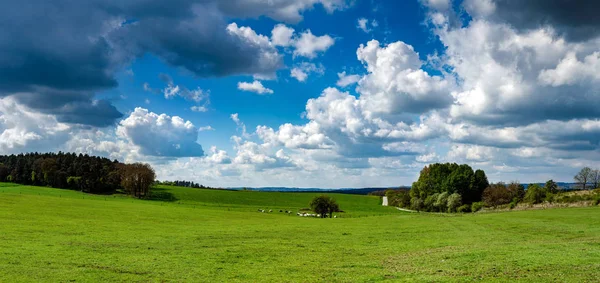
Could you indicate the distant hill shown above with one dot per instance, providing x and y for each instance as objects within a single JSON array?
[
  {"x": 561, "y": 185},
  {"x": 354, "y": 191}
]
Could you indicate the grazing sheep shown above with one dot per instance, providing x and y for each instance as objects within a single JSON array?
[
  {"x": 270, "y": 210},
  {"x": 335, "y": 216}
]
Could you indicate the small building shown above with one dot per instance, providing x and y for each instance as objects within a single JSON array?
[{"x": 384, "y": 201}]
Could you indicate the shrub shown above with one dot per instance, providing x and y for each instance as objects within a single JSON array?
[
  {"x": 324, "y": 205},
  {"x": 596, "y": 200},
  {"x": 429, "y": 202},
  {"x": 535, "y": 194},
  {"x": 550, "y": 197},
  {"x": 441, "y": 204},
  {"x": 476, "y": 206},
  {"x": 499, "y": 194},
  {"x": 454, "y": 201},
  {"x": 416, "y": 204},
  {"x": 464, "y": 208}
]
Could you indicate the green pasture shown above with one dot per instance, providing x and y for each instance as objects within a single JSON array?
[{"x": 193, "y": 235}]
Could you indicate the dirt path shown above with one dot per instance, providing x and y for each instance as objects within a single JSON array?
[{"x": 406, "y": 210}]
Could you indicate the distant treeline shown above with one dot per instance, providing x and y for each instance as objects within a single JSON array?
[
  {"x": 81, "y": 172},
  {"x": 449, "y": 187},
  {"x": 187, "y": 184}
]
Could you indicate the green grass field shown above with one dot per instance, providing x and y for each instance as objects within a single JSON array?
[{"x": 218, "y": 236}]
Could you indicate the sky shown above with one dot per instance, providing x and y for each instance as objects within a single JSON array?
[{"x": 306, "y": 93}]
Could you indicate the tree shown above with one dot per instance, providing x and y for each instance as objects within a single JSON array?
[
  {"x": 137, "y": 178},
  {"x": 324, "y": 205},
  {"x": 583, "y": 177},
  {"x": 55, "y": 169},
  {"x": 448, "y": 178},
  {"x": 441, "y": 204},
  {"x": 4, "y": 172},
  {"x": 49, "y": 168},
  {"x": 595, "y": 179},
  {"x": 551, "y": 186},
  {"x": 454, "y": 201},
  {"x": 498, "y": 194},
  {"x": 479, "y": 184},
  {"x": 535, "y": 194},
  {"x": 416, "y": 204}
]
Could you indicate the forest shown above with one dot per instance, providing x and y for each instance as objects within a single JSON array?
[{"x": 81, "y": 172}]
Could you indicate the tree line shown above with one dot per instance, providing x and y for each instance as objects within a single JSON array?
[
  {"x": 450, "y": 187},
  {"x": 81, "y": 172},
  {"x": 187, "y": 184}
]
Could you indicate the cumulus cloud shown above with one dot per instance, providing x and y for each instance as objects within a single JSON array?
[
  {"x": 346, "y": 80},
  {"x": 281, "y": 35},
  {"x": 23, "y": 129},
  {"x": 185, "y": 34},
  {"x": 309, "y": 45},
  {"x": 396, "y": 83},
  {"x": 255, "y": 86},
  {"x": 575, "y": 20},
  {"x": 304, "y": 45},
  {"x": 160, "y": 135},
  {"x": 300, "y": 72}
]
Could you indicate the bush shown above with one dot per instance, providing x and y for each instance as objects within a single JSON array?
[
  {"x": 550, "y": 197},
  {"x": 454, "y": 201},
  {"x": 324, "y": 205},
  {"x": 499, "y": 194},
  {"x": 535, "y": 194},
  {"x": 429, "y": 202},
  {"x": 476, "y": 206},
  {"x": 416, "y": 204},
  {"x": 441, "y": 204},
  {"x": 464, "y": 208}
]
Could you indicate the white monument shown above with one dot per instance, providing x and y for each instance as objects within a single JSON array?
[{"x": 385, "y": 202}]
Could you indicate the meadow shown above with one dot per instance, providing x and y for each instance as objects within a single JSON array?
[{"x": 54, "y": 235}]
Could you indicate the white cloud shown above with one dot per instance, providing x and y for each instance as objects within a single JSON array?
[
  {"x": 395, "y": 82},
  {"x": 301, "y": 71},
  {"x": 366, "y": 25},
  {"x": 250, "y": 36},
  {"x": 281, "y": 35},
  {"x": 199, "y": 108},
  {"x": 255, "y": 86},
  {"x": 23, "y": 129},
  {"x": 160, "y": 135},
  {"x": 205, "y": 128},
  {"x": 346, "y": 80},
  {"x": 571, "y": 71},
  {"x": 309, "y": 45}
]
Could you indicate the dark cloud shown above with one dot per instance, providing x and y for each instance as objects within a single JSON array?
[
  {"x": 71, "y": 106},
  {"x": 575, "y": 19},
  {"x": 59, "y": 53}
]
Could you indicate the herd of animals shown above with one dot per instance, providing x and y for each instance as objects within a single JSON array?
[{"x": 301, "y": 214}]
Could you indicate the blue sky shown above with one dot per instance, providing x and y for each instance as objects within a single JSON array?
[{"x": 309, "y": 93}]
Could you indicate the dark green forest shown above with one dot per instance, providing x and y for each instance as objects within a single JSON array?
[{"x": 81, "y": 172}]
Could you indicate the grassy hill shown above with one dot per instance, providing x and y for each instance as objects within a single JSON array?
[{"x": 57, "y": 235}]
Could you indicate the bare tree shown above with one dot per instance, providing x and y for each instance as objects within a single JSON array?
[
  {"x": 583, "y": 177},
  {"x": 595, "y": 178},
  {"x": 137, "y": 178}
]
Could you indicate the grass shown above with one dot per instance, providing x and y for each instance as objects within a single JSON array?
[{"x": 215, "y": 236}]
